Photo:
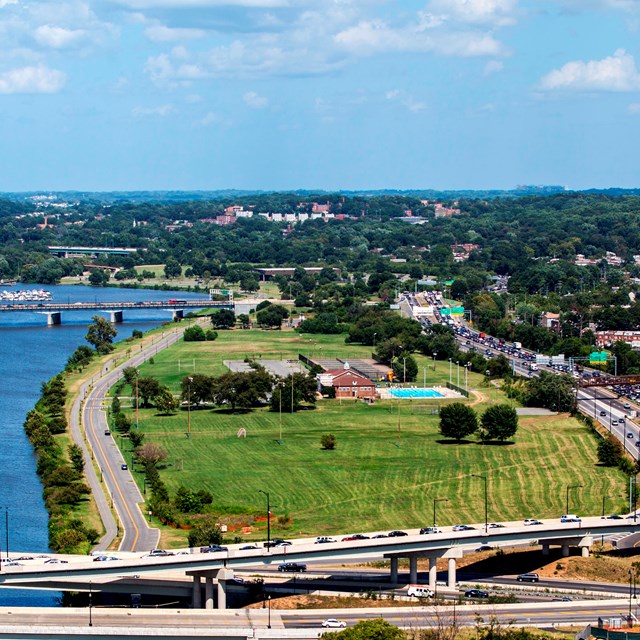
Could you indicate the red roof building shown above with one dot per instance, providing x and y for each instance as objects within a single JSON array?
[{"x": 350, "y": 384}]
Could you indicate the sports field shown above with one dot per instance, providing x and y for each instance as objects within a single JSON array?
[{"x": 389, "y": 464}]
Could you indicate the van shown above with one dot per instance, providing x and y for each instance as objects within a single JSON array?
[
  {"x": 570, "y": 517},
  {"x": 533, "y": 366},
  {"x": 528, "y": 577},
  {"x": 419, "y": 591}
]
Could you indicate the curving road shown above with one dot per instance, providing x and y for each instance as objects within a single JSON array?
[{"x": 111, "y": 486}]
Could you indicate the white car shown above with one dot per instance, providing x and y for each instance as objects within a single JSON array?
[{"x": 334, "y": 623}]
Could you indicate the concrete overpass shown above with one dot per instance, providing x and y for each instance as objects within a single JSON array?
[
  {"x": 219, "y": 566},
  {"x": 53, "y": 310}
]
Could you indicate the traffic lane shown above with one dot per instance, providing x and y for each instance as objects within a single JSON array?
[{"x": 568, "y": 585}]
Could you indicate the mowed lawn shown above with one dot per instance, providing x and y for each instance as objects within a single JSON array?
[{"x": 389, "y": 464}]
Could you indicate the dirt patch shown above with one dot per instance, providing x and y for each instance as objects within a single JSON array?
[{"x": 332, "y": 602}]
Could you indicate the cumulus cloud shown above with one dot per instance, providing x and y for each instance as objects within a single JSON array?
[
  {"x": 6, "y": 3},
  {"x": 161, "y": 111},
  {"x": 615, "y": 73},
  {"x": 254, "y": 100},
  {"x": 161, "y": 33},
  {"x": 39, "y": 79},
  {"x": 406, "y": 100},
  {"x": 58, "y": 37},
  {"x": 497, "y": 13},
  {"x": 634, "y": 108}
]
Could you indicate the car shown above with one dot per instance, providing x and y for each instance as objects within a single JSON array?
[
  {"x": 630, "y": 435},
  {"x": 532, "y": 521},
  {"x": 123, "y": 466},
  {"x": 292, "y": 567},
  {"x": 56, "y": 561},
  {"x": 22, "y": 558},
  {"x": 107, "y": 432},
  {"x": 627, "y": 405},
  {"x": 528, "y": 577},
  {"x": 334, "y": 623},
  {"x": 419, "y": 591},
  {"x": 248, "y": 547},
  {"x": 355, "y": 536},
  {"x": 213, "y": 548},
  {"x": 603, "y": 413},
  {"x": 462, "y": 527},
  {"x": 495, "y": 525},
  {"x": 570, "y": 517},
  {"x": 379, "y": 535},
  {"x": 105, "y": 558},
  {"x": 397, "y": 534},
  {"x": 427, "y": 530},
  {"x": 324, "y": 540},
  {"x": 613, "y": 516},
  {"x": 158, "y": 553},
  {"x": 562, "y": 599},
  {"x": 485, "y": 547},
  {"x": 614, "y": 422},
  {"x": 475, "y": 593},
  {"x": 277, "y": 542},
  {"x": 13, "y": 563},
  {"x": 637, "y": 443}
]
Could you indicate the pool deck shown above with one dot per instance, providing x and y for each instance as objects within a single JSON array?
[{"x": 385, "y": 394}]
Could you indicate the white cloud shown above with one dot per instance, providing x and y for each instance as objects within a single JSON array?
[
  {"x": 376, "y": 36},
  {"x": 497, "y": 13},
  {"x": 58, "y": 37},
  {"x": 162, "y": 111},
  {"x": 39, "y": 79},
  {"x": 634, "y": 108},
  {"x": 160, "y": 33},
  {"x": 204, "y": 4},
  {"x": 6, "y": 3},
  {"x": 615, "y": 73},
  {"x": 255, "y": 101},
  {"x": 406, "y": 100},
  {"x": 493, "y": 66}
]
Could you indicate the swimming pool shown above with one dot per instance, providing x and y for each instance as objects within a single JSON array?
[{"x": 415, "y": 393}]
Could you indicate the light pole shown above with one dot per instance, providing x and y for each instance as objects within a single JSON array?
[
  {"x": 6, "y": 529},
  {"x": 266, "y": 493},
  {"x": 90, "y": 604},
  {"x": 434, "y": 360},
  {"x": 486, "y": 501},
  {"x": 404, "y": 370},
  {"x": 280, "y": 389},
  {"x": 269, "y": 610},
  {"x": 569, "y": 487},
  {"x": 450, "y": 366},
  {"x": 458, "y": 370},
  {"x": 435, "y": 501},
  {"x": 466, "y": 376},
  {"x": 137, "y": 403},
  {"x": 189, "y": 380}
]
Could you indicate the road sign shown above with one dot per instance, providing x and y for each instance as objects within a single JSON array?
[
  {"x": 457, "y": 311},
  {"x": 598, "y": 357},
  {"x": 542, "y": 359},
  {"x": 445, "y": 312},
  {"x": 557, "y": 359}
]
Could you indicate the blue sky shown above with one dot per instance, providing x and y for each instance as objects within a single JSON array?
[{"x": 332, "y": 94}]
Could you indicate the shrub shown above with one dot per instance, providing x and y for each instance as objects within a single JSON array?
[{"x": 328, "y": 442}]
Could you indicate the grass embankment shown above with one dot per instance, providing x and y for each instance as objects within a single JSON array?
[{"x": 368, "y": 482}]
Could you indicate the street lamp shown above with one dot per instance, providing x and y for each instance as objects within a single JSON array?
[
  {"x": 458, "y": 369},
  {"x": 486, "y": 501},
  {"x": 266, "y": 493},
  {"x": 189, "y": 380},
  {"x": 137, "y": 403},
  {"x": 269, "y": 610},
  {"x": 435, "y": 501},
  {"x": 569, "y": 487},
  {"x": 90, "y": 604},
  {"x": 434, "y": 360},
  {"x": 404, "y": 370},
  {"x": 450, "y": 365}
]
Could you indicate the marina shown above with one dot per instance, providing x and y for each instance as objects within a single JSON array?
[{"x": 26, "y": 295}]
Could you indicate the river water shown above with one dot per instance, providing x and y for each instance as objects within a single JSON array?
[{"x": 31, "y": 353}]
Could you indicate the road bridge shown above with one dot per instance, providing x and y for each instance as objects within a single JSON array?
[{"x": 53, "y": 310}]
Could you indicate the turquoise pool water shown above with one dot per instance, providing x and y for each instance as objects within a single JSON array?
[{"x": 415, "y": 393}]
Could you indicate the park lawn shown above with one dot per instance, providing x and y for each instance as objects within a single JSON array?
[{"x": 369, "y": 482}]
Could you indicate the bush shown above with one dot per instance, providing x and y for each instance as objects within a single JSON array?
[
  {"x": 194, "y": 334},
  {"x": 328, "y": 442}
]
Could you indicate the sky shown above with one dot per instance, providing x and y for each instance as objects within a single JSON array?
[{"x": 102, "y": 95}]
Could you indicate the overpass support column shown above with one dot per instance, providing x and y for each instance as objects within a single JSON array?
[
  {"x": 394, "y": 570},
  {"x": 585, "y": 552},
  {"x": 53, "y": 318},
  {"x": 413, "y": 569},
  {"x": 433, "y": 573},
  {"x": 222, "y": 594},
  {"x": 565, "y": 550},
  {"x": 451, "y": 577},
  {"x": 545, "y": 549},
  {"x": 116, "y": 316},
  {"x": 177, "y": 314},
  {"x": 208, "y": 592},
  {"x": 196, "y": 598}
]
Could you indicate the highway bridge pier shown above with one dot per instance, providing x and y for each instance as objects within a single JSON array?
[
  {"x": 221, "y": 576},
  {"x": 450, "y": 554}
]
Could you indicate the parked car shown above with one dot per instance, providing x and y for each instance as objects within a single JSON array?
[
  {"x": 475, "y": 593},
  {"x": 528, "y": 577},
  {"x": 292, "y": 567},
  {"x": 334, "y": 623}
]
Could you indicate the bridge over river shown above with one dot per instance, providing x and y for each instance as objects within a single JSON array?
[{"x": 53, "y": 310}]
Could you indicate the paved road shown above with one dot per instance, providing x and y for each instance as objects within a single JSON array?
[{"x": 123, "y": 494}]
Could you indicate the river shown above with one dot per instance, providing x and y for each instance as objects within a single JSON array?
[{"x": 30, "y": 353}]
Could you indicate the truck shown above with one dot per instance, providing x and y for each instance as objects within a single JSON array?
[
  {"x": 517, "y": 345},
  {"x": 533, "y": 366}
]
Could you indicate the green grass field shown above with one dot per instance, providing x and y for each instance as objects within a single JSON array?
[{"x": 368, "y": 482}]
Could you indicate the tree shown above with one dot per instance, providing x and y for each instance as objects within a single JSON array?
[
  {"x": 80, "y": 358},
  {"x": 304, "y": 390},
  {"x": 77, "y": 458},
  {"x": 458, "y": 421},
  {"x": 196, "y": 389},
  {"x": 405, "y": 368},
  {"x": 499, "y": 422},
  {"x": 115, "y": 405},
  {"x": 172, "y": 268},
  {"x": 165, "y": 402},
  {"x": 610, "y": 451},
  {"x": 99, "y": 278},
  {"x": 130, "y": 374},
  {"x": 187, "y": 501},
  {"x": 205, "y": 532},
  {"x": 328, "y": 442},
  {"x": 242, "y": 389},
  {"x": 272, "y": 316},
  {"x": 376, "y": 629},
  {"x": 151, "y": 453},
  {"x": 101, "y": 335},
  {"x": 551, "y": 391},
  {"x": 223, "y": 319},
  {"x": 194, "y": 334}
]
